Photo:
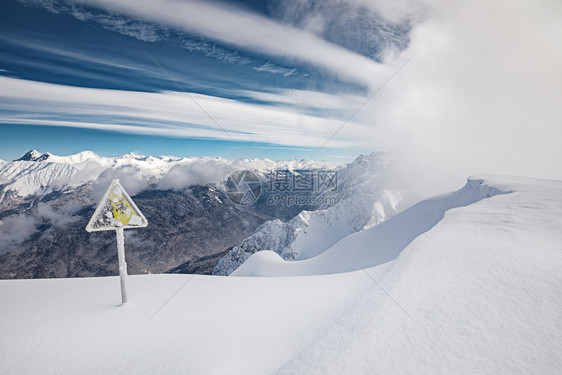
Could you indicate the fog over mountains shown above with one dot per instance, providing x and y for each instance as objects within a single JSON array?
[{"x": 47, "y": 200}]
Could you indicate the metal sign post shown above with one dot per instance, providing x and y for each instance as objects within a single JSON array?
[{"x": 117, "y": 211}]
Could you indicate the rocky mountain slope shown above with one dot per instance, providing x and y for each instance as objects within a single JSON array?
[
  {"x": 362, "y": 203},
  {"x": 47, "y": 200}
]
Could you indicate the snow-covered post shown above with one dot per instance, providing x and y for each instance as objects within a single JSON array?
[
  {"x": 122, "y": 264},
  {"x": 117, "y": 211}
]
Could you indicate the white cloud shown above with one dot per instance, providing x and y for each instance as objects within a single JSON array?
[
  {"x": 200, "y": 173},
  {"x": 17, "y": 229},
  {"x": 272, "y": 68},
  {"x": 132, "y": 178},
  {"x": 291, "y": 123},
  {"x": 482, "y": 94},
  {"x": 342, "y": 103},
  {"x": 147, "y": 32},
  {"x": 251, "y": 31},
  {"x": 63, "y": 51},
  {"x": 395, "y": 10},
  {"x": 57, "y": 219},
  {"x": 168, "y": 113},
  {"x": 204, "y": 170},
  {"x": 370, "y": 27},
  {"x": 144, "y": 31},
  {"x": 212, "y": 50}
]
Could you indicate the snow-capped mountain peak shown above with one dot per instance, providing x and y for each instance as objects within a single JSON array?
[
  {"x": 41, "y": 173},
  {"x": 71, "y": 159},
  {"x": 36, "y": 156},
  {"x": 133, "y": 155},
  {"x": 31, "y": 155}
]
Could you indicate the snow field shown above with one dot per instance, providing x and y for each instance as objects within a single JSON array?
[
  {"x": 212, "y": 325},
  {"x": 482, "y": 288},
  {"x": 472, "y": 282}
]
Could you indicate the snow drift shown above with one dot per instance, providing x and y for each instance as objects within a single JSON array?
[
  {"x": 375, "y": 246},
  {"x": 481, "y": 290}
]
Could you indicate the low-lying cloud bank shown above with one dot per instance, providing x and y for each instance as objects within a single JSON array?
[
  {"x": 183, "y": 175},
  {"x": 135, "y": 172},
  {"x": 17, "y": 229}
]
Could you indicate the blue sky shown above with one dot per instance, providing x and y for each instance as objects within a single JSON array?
[{"x": 187, "y": 78}]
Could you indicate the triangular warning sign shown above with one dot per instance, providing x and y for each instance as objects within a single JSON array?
[{"x": 116, "y": 210}]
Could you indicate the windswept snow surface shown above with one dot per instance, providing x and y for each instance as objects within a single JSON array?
[
  {"x": 471, "y": 286},
  {"x": 377, "y": 246},
  {"x": 174, "y": 324},
  {"x": 482, "y": 289}
]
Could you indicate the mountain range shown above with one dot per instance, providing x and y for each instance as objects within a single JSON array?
[{"x": 46, "y": 201}]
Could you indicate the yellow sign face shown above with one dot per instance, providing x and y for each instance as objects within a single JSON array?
[
  {"x": 116, "y": 210},
  {"x": 122, "y": 210}
]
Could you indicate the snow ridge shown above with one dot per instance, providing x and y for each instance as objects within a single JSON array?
[
  {"x": 363, "y": 203},
  {"x": 376, "y": 247},
  {"x": 481, "y": 287}
]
